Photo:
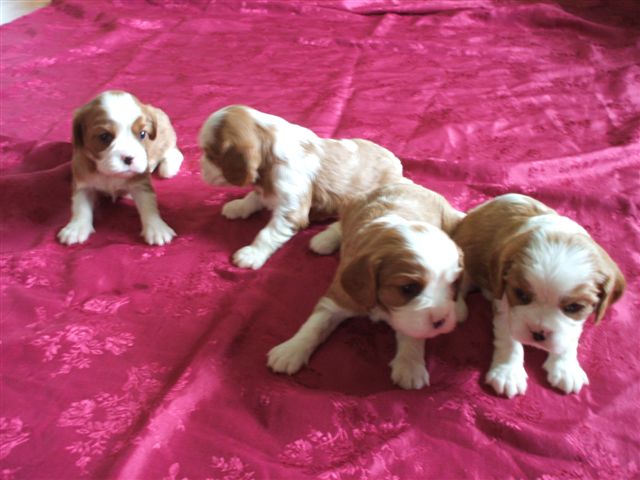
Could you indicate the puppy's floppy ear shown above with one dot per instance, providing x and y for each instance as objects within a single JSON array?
[
  {"x": 237, "y": 165},
  {"x": 77, "y": 132},
  {"x": 359, "y": 280},
  {"x": 612, "y": 284},
  {"x": 501, "y": 261},
  {"x": 151, "y": 120}
]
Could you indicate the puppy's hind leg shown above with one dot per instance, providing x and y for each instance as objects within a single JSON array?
[
  {"x": 290, "y": 356},
  {"x": 327, "y": 241}
]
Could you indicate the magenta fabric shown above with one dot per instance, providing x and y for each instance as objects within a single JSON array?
[{"x": 122, "y": 360}]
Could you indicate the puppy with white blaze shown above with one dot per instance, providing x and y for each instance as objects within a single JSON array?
[
  {"x": 398, "y": 264},
  {"x": 293, "y": 172},
  {"x": 117, "y": 143},
  {"x": 545, "y": 276}
]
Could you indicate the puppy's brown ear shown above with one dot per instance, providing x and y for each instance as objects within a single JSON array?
[
  {"x": 359, "y": 280},
  {"x": 151, "y": 120},
  {"x": 237, "y": 165},
  {"x": 77, "y": 132},
  {"x": 612, "y": 283},
  {"x": 502, "y": 259}
]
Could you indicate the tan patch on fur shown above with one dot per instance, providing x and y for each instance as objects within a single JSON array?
[
  {"x": 161, "y": 135},
  {"x": 344, "y": 174},
  {"x": 494, "y": 253},
  {"x": 586, "y": 295},
  {"x": 374, "y": 259},
  {"x": 91, "y": 120},
  {"x": 487, "y": 236},
  {"x": 242, "y": 150}
]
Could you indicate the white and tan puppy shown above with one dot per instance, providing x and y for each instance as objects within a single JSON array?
[
  {"x": 397, "y": 264},
  {"x": 545, "y": 276},
  {"x": 294, "y": 173},
  {"x": 117, "y": 142}
]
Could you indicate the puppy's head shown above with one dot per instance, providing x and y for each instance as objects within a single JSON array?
[
  {"x": 233, "y": 147},
  {"x": 553, "y": 281},
  {"x": 112, "y": 131},
  {"x": 410, "y": 270}
]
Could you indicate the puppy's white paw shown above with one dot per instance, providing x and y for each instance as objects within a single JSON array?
[
  {"x": 171, "y": 163},
  {"x": 237, "y": 209},
  {"x": 288, "y": 357},
  {"x": 325, "y": 242},
  {"x": 75, "y": 232},
  {"x": 409, "y": 374},
  {"x": 156, "y": 232},
  {"x": 250, "y": 257},
  {"x": 567, "y": 375},
  {"x": 461, "y": 310},
  {"x": 508, "y": 379}
]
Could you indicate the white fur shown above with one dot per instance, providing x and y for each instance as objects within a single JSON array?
[
  {"x": 290, "y": 356},
  {"x": 327, "y": 241},
  {"x": 413, "y": 322},
  {"x": 113, "y": 173},
  {"x": 123, "y": 110},
  {"x": 292, "y": 178},
  {"x": 556, "y": 269},
  {"x": 440, "y": 257},
  {"x": 170, "y": 164}
]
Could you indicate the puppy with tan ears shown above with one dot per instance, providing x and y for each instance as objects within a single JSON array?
[
  {"x": 117, "y": 143},
  {"x": 397, "y": 264},
  {"x": 293, "y": 172},
  {"x": 545, "y": 276}
]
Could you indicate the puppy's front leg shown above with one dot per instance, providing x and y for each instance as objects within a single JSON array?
[
  {"x": 407, "y": 367},
  {"x": 564, "y": 371},
  {"x": 327, "y": 241},
  {"x": 242, "y": 207},
  {"x": 81, "y": 224},
  {"x": 507, "y": 375},
  {"x": 273, "y": 236},
  {"x": 289, "y": 356},
  {"x": 154, "y": 230}
]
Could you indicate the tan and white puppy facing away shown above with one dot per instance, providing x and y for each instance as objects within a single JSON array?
[
  {"x": 117, "y": 143},
  {"x": 397, "y": 264},
  {"x": 293, "y": 172},
  {"x": 545, "y": 276}
]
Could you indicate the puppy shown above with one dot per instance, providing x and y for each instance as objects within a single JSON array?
[
  {"x": 117, "y": 142},
  {"x": 397, "y": 264},
  {"x": 293, "y": 172},
  {"x": 545, "y": 276}
]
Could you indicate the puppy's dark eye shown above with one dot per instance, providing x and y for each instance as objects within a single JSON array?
[
  {"x": 572, "y": 308},
  {"x": 411, "y": 289},
  {"x": 106, "y": 138},
  {"x": 143, "y": 134},
  {"x": 523, "y": 297}
]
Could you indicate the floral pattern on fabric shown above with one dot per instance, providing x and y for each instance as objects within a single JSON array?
[
  {"x": 125, "y": 361},
  {"x": 100, "y": 420}
]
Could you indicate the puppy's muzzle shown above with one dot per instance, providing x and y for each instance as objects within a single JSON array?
[{"x": 540, "y": 335}]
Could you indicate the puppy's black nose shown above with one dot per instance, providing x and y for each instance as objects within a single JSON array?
[
  {"x": 538, "y": 336},
  {"x": 438, "y": 324},
  {"x": 127, "y": 160}
]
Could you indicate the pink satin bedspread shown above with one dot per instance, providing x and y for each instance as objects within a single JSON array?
[{"x": 121, "y": 360}]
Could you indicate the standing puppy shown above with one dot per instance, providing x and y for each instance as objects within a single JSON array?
[
  {"x": 117, "y": 142},
  {"x": 397, "y": 264},
  {"x": 294, "y": 173},
  {"x": 545, "y": 276}
]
